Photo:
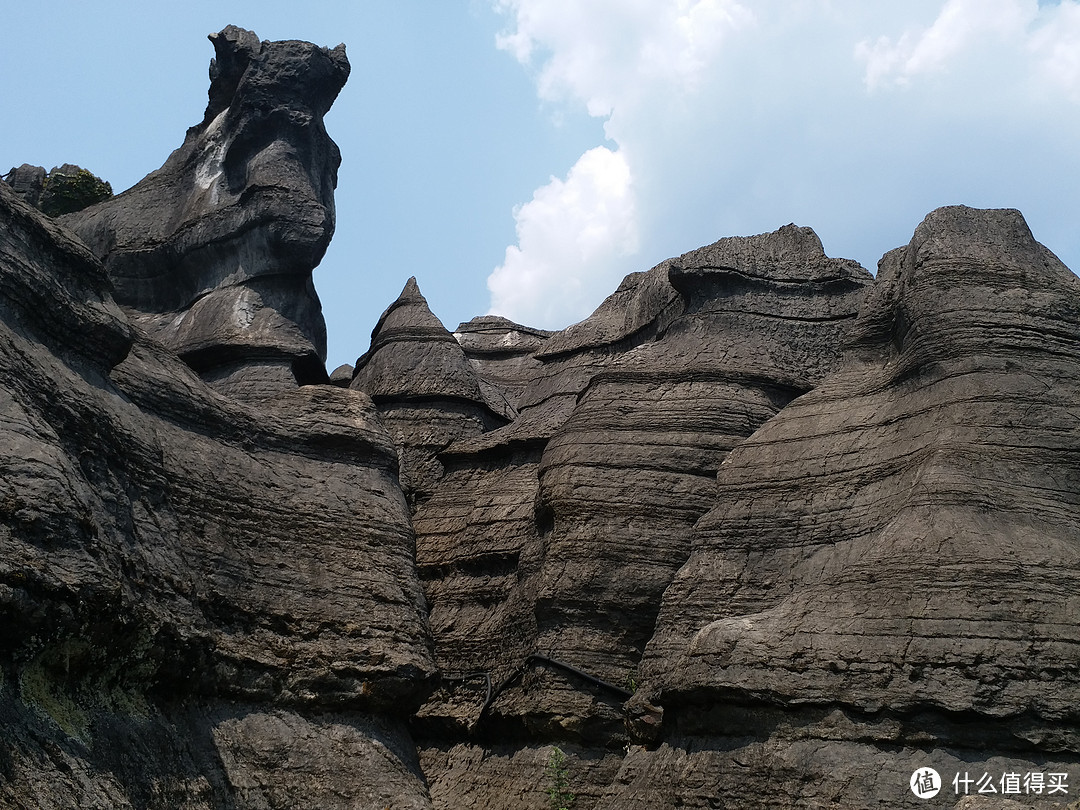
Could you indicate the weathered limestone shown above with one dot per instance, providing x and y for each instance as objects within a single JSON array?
[
  {"x": 168, "y": 555},
  {"x": 763, "y": 531},
  {"x": 213, "y": 252}
]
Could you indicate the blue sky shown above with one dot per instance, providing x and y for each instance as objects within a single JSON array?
[{"x": 521, "y": 156}]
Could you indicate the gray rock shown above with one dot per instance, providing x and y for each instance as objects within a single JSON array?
[
  {"x": 28, "y": 182},
  {"x": 502, "y": 352},
  {"x": 63, "y": 190},
  {"x": 342, "y": 375},
  {"x": 213, "y": 252},
  {"x": 760, "y": 532},
  {"x": 899, "y": 544},
  {"x": 559, "y": 533},
  {"x": 427, "y": 392},
  {"x": 163, "y": 546}
]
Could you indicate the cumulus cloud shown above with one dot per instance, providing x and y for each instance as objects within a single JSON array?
[
  {"x": 1056, "y": 47},
  {"x": 610, "y": 56},
  {"x": 1045, "y": 41},
  {"x": 599, "y": 53},
  {"x": 572, "y": 237},
  {"x": 727, "y": 120}
]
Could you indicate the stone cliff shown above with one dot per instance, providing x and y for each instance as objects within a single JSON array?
[
  {"x": 212, "y": 253},
  {"x": 765, "y": 530}
]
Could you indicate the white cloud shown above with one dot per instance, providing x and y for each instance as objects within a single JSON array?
[
  {"x": 572, "y": 237},
  {"x": 961, "y": 25},
  {"x": 609, "y": 56},
  {"x": 1056, "y": 47},
  {"x": 599, "y": 53},
  {"x": 728, "y": 122}
]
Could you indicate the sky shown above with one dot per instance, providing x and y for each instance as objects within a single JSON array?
[{"x": 519, "y": 157}]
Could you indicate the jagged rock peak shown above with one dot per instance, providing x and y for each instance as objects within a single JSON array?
[
  {"x": 413, "y": 355},
  {"x": 428, "y": 392},
  {"x": 27, "y": 181},
  {"x": 213, "y": 252},
  {"x": 315, "y": 78},
  {"x": 408, "y": 318}
]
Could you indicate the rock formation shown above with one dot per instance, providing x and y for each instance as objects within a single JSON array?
[
  {"x": 64, "y": 190},
  {"x": 201, "y": 603},
  {"x": 428, "y": 393},
  {"x": 212, "y": 254},
  {"x": 763, "y": 531}
]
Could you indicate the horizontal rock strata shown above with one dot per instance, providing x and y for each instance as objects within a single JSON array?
[
  {"x": 898, "y": 546},
  {"x": 762, "y": 531},
  {"x": 162, "y": 544}
]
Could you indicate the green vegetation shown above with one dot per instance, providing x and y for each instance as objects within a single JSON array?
[
  {"x": 38, "y": 688},
  {"x": 72, "y": 680},
  {"x": 559, "y": 795},
  {"x": 65, "y": 193}
]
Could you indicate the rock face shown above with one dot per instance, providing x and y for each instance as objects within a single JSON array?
[
  {"x": 824, "y": 527},
  {"x": 763, "y": 531},
  {"x": 212, "y": 254},
  {"x": 28, "y": 182},
  {"x": 894, "y": 558},
  {"x": 202, "y": 603}
]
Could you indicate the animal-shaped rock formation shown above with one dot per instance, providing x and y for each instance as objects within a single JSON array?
[
  {"x": 213, "y": 252},
  {"x": 763, "y": 531}
]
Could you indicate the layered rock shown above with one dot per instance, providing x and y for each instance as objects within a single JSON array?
[
  {"x": 890, "y": 562},
  {"x": 760, "y": 532},
  {"x": 558, "y": 533},
  {"x": 213, "y": 252},
  {"x": 28, "y": 182},
  {"x": 626, "y": 477},
  {"x": 188, "y": 584},
  {"x": 502, "y": 352},
  {"x": 427, "y": 392}
]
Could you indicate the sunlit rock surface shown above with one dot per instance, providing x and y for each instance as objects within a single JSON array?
[
  {"x": 763, "y": 531},
  {"x": 202, "y": 602},
  {"x": 213, "y": 252}
]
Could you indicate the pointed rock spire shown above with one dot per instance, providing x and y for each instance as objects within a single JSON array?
[
  {"x": 407, "y": 319},
  {"x": 413, "y": 355}
]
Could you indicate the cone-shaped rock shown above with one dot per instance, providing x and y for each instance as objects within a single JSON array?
[
  {"x": 425, "y": 388},
  {"x": 413, "y": 355}
]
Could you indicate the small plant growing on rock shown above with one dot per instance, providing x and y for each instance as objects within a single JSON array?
[
  {"x": 65, "y": 192},
  {"x": 559, "y": 795}
]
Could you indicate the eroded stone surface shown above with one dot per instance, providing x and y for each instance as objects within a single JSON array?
[
  {"x": 161, "y": 543},
  {"x": 213, "y": 252},
  {"x": 820, "y": 529},
  {"x": 428, "y": 393},
  {"x": 915, "y": 517}
]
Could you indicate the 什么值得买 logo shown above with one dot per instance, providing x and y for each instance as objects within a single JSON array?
[{"x": 925, "y": 783}]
